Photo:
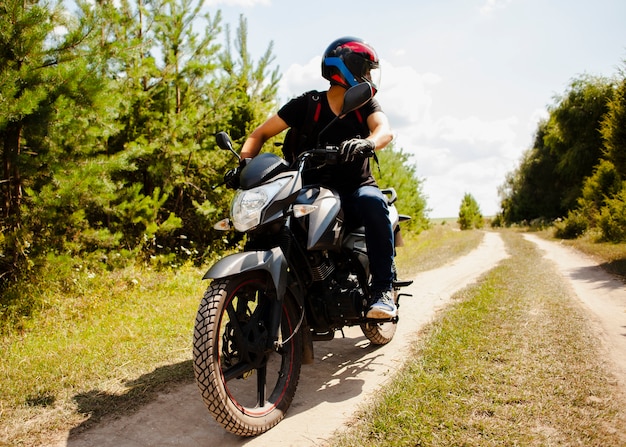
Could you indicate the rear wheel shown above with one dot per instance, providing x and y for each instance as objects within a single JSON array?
[
  {"x": 381, "y": 333},
  {"x": 246, "y": 386}
]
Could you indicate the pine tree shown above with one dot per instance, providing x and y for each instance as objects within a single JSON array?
[
  {"x": 49, "y": 104},
  {"x": 469, "y": 214}
]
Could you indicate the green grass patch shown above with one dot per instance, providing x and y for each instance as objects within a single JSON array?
[
  {"x": 435, "y": 247},
  {"x": 512, "y": 361},
  {"x": 105, "y": 346},
  {"x": 98, "y": 343}
]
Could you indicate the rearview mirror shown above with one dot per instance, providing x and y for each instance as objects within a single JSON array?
[
  {"x": 356, "y": 97},
  {"x": 224, "y": 142},
  {"x": 353, "y": 98}
]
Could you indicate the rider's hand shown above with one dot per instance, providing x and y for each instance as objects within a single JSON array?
[
  {"x": 356, "y": 149},
  {"x": 231, "y": 178}
]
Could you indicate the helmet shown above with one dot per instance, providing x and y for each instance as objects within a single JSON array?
[{"x": 349, "y": 61}]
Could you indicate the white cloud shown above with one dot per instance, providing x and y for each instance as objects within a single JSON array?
[
  {"x": 405, "y": 94},
  {"x": 298, "y": 79},
  {"x": 536, "y": 117},
  {"x": 453, "y": 154},
  {"x": 480, "y": 178},
  {"x": 473, "y": 131},
  {"x": 491, "y": 5}
]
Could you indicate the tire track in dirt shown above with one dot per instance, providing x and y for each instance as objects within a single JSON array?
[{"x": 601, "y": 294}]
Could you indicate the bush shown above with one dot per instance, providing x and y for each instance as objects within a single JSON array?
[
  {"x": 498, "y": 221},
  {"x": 572, "y": 227},
  {"x": 612, "y": 221}
]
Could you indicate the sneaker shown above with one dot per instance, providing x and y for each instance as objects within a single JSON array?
[{"x": 383, "y": 307}]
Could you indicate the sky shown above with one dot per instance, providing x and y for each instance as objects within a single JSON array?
[{"x": 464, "y": 82}]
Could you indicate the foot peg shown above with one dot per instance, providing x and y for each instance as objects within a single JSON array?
[{"x": 402, "y": 283}]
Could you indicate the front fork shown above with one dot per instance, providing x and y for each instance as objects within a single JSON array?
[{"x": 275, "y": 263}]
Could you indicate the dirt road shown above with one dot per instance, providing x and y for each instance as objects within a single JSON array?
[
  {"x": 601, "y": 294},
  {"x": 347, "y": 371}
]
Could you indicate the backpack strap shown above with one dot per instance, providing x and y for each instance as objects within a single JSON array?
[
  {"x": 357, "y": 112},
  {"x": 296, "y": 138},
  {"x": 313, "y": 110}
]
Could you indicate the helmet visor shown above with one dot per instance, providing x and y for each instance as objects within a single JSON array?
[{"x": 373, "y": 77}]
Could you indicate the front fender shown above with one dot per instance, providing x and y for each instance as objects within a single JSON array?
[{"x": 272, "y": 261}]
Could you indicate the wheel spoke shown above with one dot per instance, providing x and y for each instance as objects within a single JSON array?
[
  {"x": 237, "y": 330},
  {"x": 237, "y": 371},
  {"x": 261, "y": 381}
]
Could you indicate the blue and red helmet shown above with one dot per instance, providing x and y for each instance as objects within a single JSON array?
[{"x": 349, "y": 61}]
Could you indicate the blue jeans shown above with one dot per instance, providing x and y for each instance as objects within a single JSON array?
[{"x": 367, "y": 206}]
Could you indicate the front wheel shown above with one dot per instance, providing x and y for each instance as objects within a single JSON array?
[{"x": 246, "y": 384}]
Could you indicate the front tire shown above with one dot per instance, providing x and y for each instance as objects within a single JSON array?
[{"x": 246, "y": 386}]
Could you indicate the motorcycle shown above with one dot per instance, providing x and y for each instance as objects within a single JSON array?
[{"x": 301, "y": 277}]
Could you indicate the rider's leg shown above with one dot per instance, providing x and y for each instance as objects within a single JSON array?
[{"x": 369, "y": 205}]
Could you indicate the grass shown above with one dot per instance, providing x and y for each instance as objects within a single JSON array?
[
  {"x": 435, "y": 247},
  {"x": 511, "y": 362},
  {"x": 106, "y": 344}
]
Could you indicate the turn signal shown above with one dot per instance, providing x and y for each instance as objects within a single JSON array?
[
  {"x": 303, "y": 210},
  {"x": 222, "y": 225}
]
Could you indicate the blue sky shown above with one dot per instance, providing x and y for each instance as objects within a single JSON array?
[{"x": 464, "y": 82}]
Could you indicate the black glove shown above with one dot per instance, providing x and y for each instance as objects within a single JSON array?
[
  {"x": 231, "y": 178},
  {"x": 357, "y": 149}
]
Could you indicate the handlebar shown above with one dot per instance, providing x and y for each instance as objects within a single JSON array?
[
  {"x": 331, "y": 154},
  {"x": 322, "y": 151}
]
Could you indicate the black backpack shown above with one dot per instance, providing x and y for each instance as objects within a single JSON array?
[
  {"x": 299, "y": 138},
  {"x": 296, "y": 138}
]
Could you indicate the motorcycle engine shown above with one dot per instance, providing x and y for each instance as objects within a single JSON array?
[
  {"x": 345, "y": 300},
  {"x": 336, "y": 294}
]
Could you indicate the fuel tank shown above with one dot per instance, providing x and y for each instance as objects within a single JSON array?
[{"x": 324, "y": 224}]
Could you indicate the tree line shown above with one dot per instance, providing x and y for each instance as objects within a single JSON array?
[
  {"x": 575, "y": 172},
  {"x": 108, "y": 120},
  {"x": 107, "y": 129}
]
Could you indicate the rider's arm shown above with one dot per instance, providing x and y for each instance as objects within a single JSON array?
[
  {"x": 272, "y": 127},
  {"x": 380, "y": 130}
]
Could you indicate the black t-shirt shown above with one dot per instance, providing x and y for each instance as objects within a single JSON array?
[{"x": 344, "y": 177}]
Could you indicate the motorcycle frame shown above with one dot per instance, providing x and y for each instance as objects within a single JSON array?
[{"x": 274, "y": 261}]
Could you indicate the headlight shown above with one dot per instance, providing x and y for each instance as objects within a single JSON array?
[{"x": 248, "y": 205}]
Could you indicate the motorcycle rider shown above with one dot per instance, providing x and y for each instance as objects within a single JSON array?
[{"x": 346, "y": 62}]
